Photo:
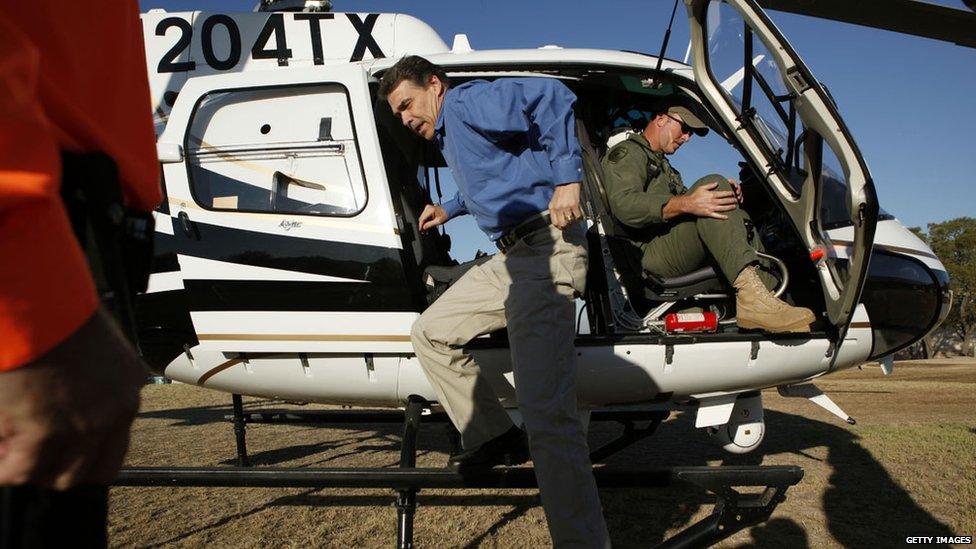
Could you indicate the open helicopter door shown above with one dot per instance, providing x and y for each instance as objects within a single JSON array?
[
  {"x": 285, "y": 233},
  {"x": 791, "y": 130}
]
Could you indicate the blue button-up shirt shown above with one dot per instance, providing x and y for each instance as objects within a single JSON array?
[{"x": 509, "y": 143}]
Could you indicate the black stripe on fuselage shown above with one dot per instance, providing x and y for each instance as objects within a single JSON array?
[
  {"x": 163, "y": 326},
  {"x": 164, "y": 254},
  {"x": 378, "y": 280},
  {"x": 267, "y": 295},
  {"x": 363, "y": 262}
]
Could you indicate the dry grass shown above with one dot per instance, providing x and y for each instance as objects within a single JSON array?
[{"x": 907, "y": 468}]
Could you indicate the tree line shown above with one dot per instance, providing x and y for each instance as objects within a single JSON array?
[{"x": 954, "y": 241}]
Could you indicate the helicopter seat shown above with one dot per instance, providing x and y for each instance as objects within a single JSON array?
[
  {"x": 703, "y": 280},
  {"x": 634, "y": 298},
  {"x": 647, "y": 291}
]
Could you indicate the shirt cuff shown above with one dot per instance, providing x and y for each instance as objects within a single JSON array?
[
  {"x": 656, "y": 210},
  {"x": 48, "y": 292},
  {"x": 568, "y": 170},
  {"x": 453, "y": 208}
]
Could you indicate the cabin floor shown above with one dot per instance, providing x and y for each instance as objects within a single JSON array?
[{"x": 913, "y": 448}]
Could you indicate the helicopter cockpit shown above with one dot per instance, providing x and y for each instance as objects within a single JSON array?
[{"x": 620, "y": 297}]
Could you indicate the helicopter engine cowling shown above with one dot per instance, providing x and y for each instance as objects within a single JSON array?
[{"x": 745, "y": 430}]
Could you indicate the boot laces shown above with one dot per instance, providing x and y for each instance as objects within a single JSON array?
[{"x": 761, "y": 293}]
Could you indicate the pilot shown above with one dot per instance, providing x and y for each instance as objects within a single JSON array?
[
  {"x": 678, "y": 229},
  {"x": 74, "y": 112},
  {"x": 511, "y": 146}
]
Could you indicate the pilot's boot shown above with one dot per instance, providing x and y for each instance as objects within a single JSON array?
[{"x": 757, "y": 307}]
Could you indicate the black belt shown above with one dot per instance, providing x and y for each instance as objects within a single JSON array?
[{"x": 522, "y": 230}]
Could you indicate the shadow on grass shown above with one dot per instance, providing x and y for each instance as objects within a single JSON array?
[
  {"x": 200, "y": 415},
  {"x": 220, "y": 522},
  {"x": 863, "y": 504},
  {"x": 859, "y": 392},
  {"x": 428, "y": 500},
  {"x": 517, "y": 511},
  {"x": 289, "y": 453},
  {"x": 309, "y": 498}
]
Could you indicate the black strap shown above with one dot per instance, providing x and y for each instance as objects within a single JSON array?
[
  {"x": 594, "y": 194},
  {"x": 117, "y": 241},
  {"x": 653, "y": 170}
]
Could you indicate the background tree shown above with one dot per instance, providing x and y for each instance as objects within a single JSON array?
[{"x": 954, "y": 241}]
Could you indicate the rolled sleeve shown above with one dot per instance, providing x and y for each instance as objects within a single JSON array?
[
  {"x": 455, "y": 207},
  {"x": 567, "y": 170}
]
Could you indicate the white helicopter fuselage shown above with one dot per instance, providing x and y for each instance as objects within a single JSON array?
[
  {"x": 610, "y": 372},
  {"x": 305, "y": 307}
]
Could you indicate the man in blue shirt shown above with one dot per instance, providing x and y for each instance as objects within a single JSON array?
[{"x": 512, "y": 148}]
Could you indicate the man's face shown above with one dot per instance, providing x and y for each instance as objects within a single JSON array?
[
  {"x": 418, "y": 106},
  {"x": 671, "y": 132}
]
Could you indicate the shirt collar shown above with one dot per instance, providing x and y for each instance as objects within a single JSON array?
[
  {"x": 439, "y": 124},
  {"x": 639, "y": 138}
]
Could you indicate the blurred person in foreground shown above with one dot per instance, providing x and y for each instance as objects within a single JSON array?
[{"x": 78, "y": 172}]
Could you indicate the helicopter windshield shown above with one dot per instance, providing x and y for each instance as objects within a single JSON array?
[
  {"x": 753, "y": 83},
  {"x": 751, "y": 80}
]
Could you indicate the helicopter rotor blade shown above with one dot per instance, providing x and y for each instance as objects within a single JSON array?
[
  {"x": 736, "y": 78},
  {"x": 904, "y": 16}
]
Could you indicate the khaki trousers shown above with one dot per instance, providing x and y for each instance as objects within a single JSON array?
[{"x": 530, "y": 289}]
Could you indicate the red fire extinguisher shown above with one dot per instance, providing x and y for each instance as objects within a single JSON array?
[{"x": 691, "y": 322}]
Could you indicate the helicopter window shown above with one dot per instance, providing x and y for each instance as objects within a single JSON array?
[
  {"x": 835, "y": 210},
  {"x": 264, "y": 150},
  {"x": 751, "y": 79},
  {"x": 754, "y": 85}
]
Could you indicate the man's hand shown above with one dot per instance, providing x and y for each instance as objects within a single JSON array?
[
  {"x": 737, "y": 189},
  {"x": 703, "y": 202},
  {"x": 64, "y": 418},
  {"x": 564, "y": 208},
  {"x": 431, "y": 217}
]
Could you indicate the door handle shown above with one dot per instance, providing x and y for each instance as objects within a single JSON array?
[{"x": 188, "y": 228}]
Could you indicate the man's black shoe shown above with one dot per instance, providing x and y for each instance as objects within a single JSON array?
[{"x": 509, "y": 448}]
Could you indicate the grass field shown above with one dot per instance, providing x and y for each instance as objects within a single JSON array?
[{"x": 908, "y": 468}]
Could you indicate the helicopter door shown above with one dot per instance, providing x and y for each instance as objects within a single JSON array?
[
  {"x": 790, "y": 128},
  {"x": 286, "y": 236}
]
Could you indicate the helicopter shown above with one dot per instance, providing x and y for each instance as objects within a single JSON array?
[{"x": 289, "y": 262}]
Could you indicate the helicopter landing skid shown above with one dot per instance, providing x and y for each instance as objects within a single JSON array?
[
  {"x": 637, "y": 424},
  {"x": 733, "y": 511}
]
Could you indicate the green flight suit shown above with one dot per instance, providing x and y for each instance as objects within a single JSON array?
[{"x": 639, "y": 182}]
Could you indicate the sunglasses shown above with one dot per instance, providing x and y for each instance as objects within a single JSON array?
[{"x": 685, "y": 128}]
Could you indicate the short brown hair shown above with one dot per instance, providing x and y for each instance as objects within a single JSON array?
[{"x": 414, "y": 68}]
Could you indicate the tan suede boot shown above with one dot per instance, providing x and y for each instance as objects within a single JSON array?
[{"x": 757, "y": 307}]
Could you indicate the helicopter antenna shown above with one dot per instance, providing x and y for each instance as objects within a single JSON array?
[{"x": 664, "y": 46}]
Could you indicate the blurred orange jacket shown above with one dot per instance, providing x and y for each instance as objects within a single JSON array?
[{"x": 72, "y": 77}]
